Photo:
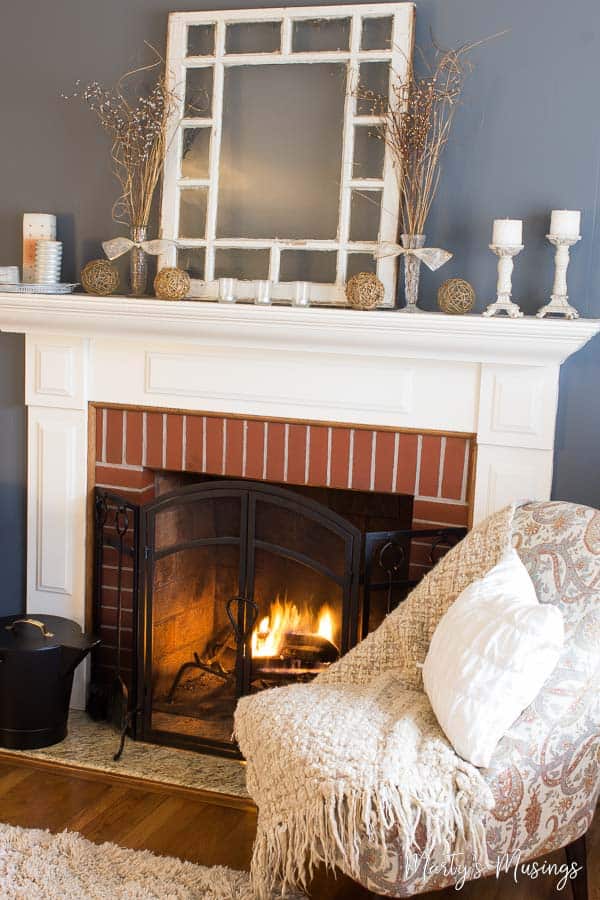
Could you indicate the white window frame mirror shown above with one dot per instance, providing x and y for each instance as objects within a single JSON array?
[{"x": 397, "y": 55}]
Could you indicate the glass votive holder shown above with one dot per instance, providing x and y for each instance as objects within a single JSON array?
[
  {"x": 226, "y": 290},
  {"x": 263, "y": 293},
  {"x": 301, "y": 294}
]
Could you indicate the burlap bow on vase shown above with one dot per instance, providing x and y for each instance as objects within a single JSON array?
[
  {"x": 138, "y": 246},
  {"x": 414, "y": 253}
]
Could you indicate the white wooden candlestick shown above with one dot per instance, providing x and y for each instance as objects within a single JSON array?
[
  {"x": 503, "y": 301},
  {"x": 559, "y": 300}
]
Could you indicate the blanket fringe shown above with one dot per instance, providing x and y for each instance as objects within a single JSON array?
[{"x": 331, "y": 830}]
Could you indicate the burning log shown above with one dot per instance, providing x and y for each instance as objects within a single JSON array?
[{"x": 309, "y": 648}]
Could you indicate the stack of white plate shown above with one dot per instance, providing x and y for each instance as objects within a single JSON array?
[
  {"x": 48, "y": 261},
  {"x": 9, "y": 274}
]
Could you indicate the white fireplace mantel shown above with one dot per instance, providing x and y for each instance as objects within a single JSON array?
[
  {"x": 494, "y": 378},
  {"x": 471, "y": 338}
]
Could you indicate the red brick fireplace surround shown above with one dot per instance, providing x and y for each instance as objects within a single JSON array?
[{"x": 131, "y": 445}]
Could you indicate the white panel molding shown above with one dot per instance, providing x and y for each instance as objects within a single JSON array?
[
  {"x": 56, "y": 371},
  {"x": 280, "y": 384},
  {"x": 509, "y": 474},
  {"x": 315, "y": 386},
  {"x": 56, "y": 512},
  {"x": 518, "y": 406},
  {"x": 56, "y": 520}
]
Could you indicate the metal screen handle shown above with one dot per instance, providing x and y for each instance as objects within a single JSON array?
[{"x": 242, "y": 635}]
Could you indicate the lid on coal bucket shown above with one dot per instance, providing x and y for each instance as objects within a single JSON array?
[{"x": 37, "y": 632}]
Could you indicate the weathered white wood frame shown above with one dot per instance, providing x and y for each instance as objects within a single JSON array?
[{"x": 398, "y": 55}]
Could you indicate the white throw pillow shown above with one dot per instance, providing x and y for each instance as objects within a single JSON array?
[{"x": 489, "y": 657}]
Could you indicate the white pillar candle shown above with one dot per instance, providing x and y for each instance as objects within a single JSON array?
[
  {"x": 507, "y": 233},
  {"x": 36, "y": 227},
  {"x": 565, "y": 223}
]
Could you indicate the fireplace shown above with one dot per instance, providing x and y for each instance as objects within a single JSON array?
[
  {"x": 197, "y": 382},
  {"x": 227, "y": 587}
]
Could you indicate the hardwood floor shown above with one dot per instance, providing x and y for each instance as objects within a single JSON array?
[{"x": 204, "y": 829}]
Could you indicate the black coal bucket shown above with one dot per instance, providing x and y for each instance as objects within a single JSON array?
[{"x": 38, "y": 656}]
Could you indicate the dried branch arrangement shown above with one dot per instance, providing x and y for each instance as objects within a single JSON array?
[
  {"x": 135, "y": 113},
  {"x": 416, "y": 121}
]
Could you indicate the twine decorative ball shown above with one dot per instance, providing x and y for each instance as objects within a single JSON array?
[
  {"x": 456, "y": 297},
  {"x": 364, "y": 291},
  {"x": 171, "y": 284},
  {"x": 100, "y": 277}
]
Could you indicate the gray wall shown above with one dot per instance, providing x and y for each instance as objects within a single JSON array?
[{"x": 527, "y": 139}]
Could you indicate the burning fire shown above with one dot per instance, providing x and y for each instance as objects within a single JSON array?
[{"x": 268, "y": 638}]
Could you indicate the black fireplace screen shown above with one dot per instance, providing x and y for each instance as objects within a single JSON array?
[{"x": 245, "y": 586}]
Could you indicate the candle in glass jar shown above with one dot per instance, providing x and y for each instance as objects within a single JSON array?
[
  {"x": 507, "y": 233},
  {"x": 565, "y": 223}
]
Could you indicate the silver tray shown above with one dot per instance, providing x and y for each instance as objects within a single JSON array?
[{"x": 26, "y": 288}]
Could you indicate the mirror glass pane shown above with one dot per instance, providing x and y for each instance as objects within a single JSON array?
[
  {"x": 192, "y": 212},
  {"x": 253, "y": 37},
  {"x": 318, "y": 35},
  {"x": 360, "y": 262},
  {"x": 243, "y": 264},
  {"x": 369, "y": 151},
  {"x": 365, "y": 212},
  {"x": 191, "y": 260},
  {"x": 198, "y": 92},
  {"x": 201, "y": 40},
  {"x": 376, "y": 34},
  {"x": 374, "y": 78},
  {"x": 280, "y": 151},
  {"x": 195, "y": 152},
  {"x": 308, "y": 265}
]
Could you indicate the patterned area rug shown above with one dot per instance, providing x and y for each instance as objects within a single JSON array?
[{"x": 36, "y": 865}]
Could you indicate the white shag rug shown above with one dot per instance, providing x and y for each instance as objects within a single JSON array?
[{"x": 37, "y": 865}]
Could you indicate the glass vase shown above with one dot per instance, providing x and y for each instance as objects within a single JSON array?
[
  {"x": 412, "y": 272},
  {"x": 138, "y": 262}
]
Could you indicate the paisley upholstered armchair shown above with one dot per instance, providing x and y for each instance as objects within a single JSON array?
[{"x": 545, "y": 773}]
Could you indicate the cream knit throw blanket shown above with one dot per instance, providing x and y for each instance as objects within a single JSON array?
[{"x": 342, "y": 761}]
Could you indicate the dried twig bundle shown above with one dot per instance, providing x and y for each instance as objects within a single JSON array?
[
  {"x": 135, "y": 114},
  {"x": 416, "y": 120}
]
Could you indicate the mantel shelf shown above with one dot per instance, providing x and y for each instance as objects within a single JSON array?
[{"x": 470, "y": 338}]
